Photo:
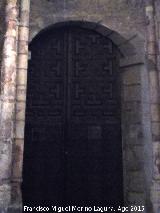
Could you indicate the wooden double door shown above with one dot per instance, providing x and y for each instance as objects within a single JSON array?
[{"x": 72, "y": 152}]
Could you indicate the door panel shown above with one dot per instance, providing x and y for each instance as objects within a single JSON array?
[
  {"x": 45, "y": 122},
  {"x": 93, "y": 110},
  {"x": 72, "y": 134}
]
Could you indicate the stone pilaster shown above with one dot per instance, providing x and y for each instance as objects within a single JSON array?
[
  {"x": 22, "y": 63},
  {"x": 151, "y": 55},
  {"x": 8, "y": 91}
]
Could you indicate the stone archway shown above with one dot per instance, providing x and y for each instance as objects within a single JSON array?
[{"x": 129, "y": 103}]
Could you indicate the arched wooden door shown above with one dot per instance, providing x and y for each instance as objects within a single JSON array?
[{"x": 73, "y": 151}]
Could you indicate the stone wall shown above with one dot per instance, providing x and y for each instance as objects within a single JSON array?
[
  {"x": 125, "y": 18},
  {"x": 136, "y": 135},
  {"x": 156, "y": 145},
  {"x": 2, "y": 26},
  {"x": 157, "y": 18}
]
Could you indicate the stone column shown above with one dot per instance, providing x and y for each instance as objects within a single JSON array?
[
  {"x": 151, "y": 55},
  {"x": 22, "y": 64},
  {"x": 8, "y": 91}
]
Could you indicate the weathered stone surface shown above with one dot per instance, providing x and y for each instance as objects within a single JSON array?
[
  {"x": 21, "y": 93},
  {"x": 19, "y": 129},
  {"x": 2, "y": 26},
  {"x": 16, "y": 197},
  {"x": 154, "y": 92},
  {"x": 113, "y": 14},
  {"x": 20, "y": 108},
  {"x": 129, "y": 62},
  {"x": 17, "y": 160},
  {"x": 23, "y": 31},
  {"x": 23, "y": 47},
  {"x": 5, "y": 195},
  {"x": 5, "y": 161},
  {"x": 155, "y": 112},
  {"x": 134, "y": 135},
  {"x": 136, "y": 198},
  {"x": 136, "y": 182},
  {"x": 155, "y": 194},
  {"x": 131, "y": 76},
  {"x": 22, "y": 77},
  {"x": 156, "y": 160},
  {"x": 23, "y": 63},
  {"x": 131, "y": 93},
  {"x": 156, "y": 131},
  {"x": 134, "y": 157}
]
